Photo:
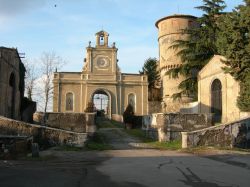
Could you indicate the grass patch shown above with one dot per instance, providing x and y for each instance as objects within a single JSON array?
[
  {"x": 98, "y": 146},
  {"x": 172, "y": 145},
  {"x": 207, "y": 149},
  {"x": 98, "y": 142},
  {"x": 68, "y": 148},
  {"x": 140, "y": 134},
  {"x": 235, "y": 149},
  {"x": 117, "y": 124}
]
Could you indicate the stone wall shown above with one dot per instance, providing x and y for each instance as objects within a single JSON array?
[
  {"x": 170, "y": 125},
  {"x": 11, "y": 146},
  {"x": 154, "y": 107},
  {"x": 190, "y": 108},
  {"x": 117, "y": 117},
  {"x": 41, "y": 134},
  {"x": 10, "y": 94},
  {"x": 76, "y": 122},
  {"x": 234, "y": 134}
]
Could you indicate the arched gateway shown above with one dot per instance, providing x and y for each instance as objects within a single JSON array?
[
  {"x": 102, "y": 83},
  {"x": 102, "y": 102}
]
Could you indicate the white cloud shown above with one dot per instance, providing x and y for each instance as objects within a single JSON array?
[{"x": 14, "y": 7}]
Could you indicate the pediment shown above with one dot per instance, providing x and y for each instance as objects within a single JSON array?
[{"x": 214, "y": 66}]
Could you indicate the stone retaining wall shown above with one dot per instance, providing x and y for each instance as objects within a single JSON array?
[
  {"x": 77, "y": 122},
  {"x": 234, "y": 134},
  {"x": 11, "y": 146},
  {"x": 170, "y": 125},
  {"x": 47, "y": 135},
  {"x": 154, "y": 107}
]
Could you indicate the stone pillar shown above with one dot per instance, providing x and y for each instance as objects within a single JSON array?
[
  {"x": 90, "y": 123},
  {"x": 163, "y": 135},
  {"x": 184, "y": 139},
  {"x": 35, "y": 150}
]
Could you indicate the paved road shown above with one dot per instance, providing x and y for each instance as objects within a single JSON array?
[
  {"x": 128, "y": 168},
  {"x": 120, "y": 140},
  {"x": 171, "y": 168}
]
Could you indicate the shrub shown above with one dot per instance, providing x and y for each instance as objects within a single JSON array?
[{"x": 128, "y": 115}]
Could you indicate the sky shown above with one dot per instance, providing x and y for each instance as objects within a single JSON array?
[{"x": 66, "y": 27}]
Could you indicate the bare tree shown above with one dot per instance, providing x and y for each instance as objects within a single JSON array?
[
  {"x": 49, "y": 62},
  {"x": 30, "y": 78}
]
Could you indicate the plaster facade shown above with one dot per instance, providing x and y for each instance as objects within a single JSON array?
[
  {"x": 226, "y": 100},
  {"x": 171, "y": 29},
  {"x": 10, "y": 94},
  {"x": 101, "y": 74}
]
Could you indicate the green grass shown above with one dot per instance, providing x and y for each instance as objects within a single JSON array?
[
  {"x": 98, "y": 142},
  {"x": 117, "y": 124},
  {"x": 140, "y": 134},
  {"x": 98, "y": 146},
  {"x": 68, "y": 148},
  {"x": 204, "y": 149},
  {"x": 172, "y": 145}
]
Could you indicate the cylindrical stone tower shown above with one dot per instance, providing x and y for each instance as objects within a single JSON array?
[{"x": 171, "y": 29}]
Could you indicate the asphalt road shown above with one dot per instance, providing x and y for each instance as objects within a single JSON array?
[
  {"x": 170, "y": 168},
  {"x": 128, "y": 168}
]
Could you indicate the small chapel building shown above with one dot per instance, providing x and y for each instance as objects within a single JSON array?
[
  {"x": 102, "y": 83},
  {"x": 218, "y": 92}
]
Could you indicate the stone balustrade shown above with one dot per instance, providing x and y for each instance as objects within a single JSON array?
[
  {"x": 233, "y": 134},
  {"x": 168, "y": 126}
]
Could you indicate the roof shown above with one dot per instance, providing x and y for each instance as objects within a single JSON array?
[
  {"x": 68, "y": 72},
  {"x": 11, "y": 49},
  {"x": 7, "y": 48},
  {"x": 214, "y": 64},
  {"x": 175, "y": 16},
  {"x": 132, "y": 74},
  {"x": 102, "y": 32}
]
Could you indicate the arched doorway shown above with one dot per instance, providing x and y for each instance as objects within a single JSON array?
[
  {"x": 12, "y": 88},
  {"x": 216, "y": 100},
  {"x": 102, "y": 104}
]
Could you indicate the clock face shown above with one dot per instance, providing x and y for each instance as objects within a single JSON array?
[{"x": 102, "y": 62}]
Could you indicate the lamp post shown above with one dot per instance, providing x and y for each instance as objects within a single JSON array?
[{"x": 98, "y": 97}]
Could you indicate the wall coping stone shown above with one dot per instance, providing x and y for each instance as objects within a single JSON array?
[
  {"x": 43, "y": 127},
  {"x": 218, "y": 126}
]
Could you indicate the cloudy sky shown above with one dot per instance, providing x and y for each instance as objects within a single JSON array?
[{"x": 66, "y": 26}]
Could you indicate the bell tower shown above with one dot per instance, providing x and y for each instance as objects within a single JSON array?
[
  {"x": 101, "y": 59},
  {"x": 102, "y": 39}
]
